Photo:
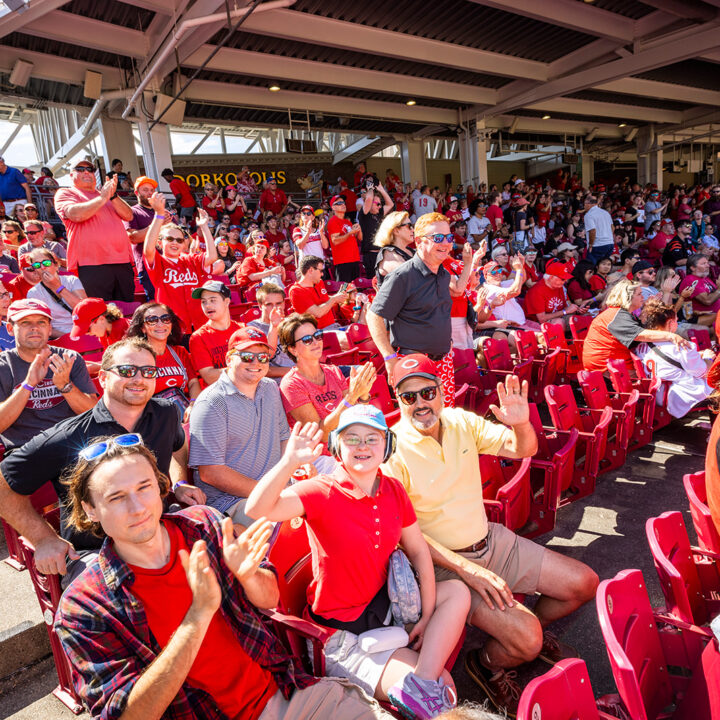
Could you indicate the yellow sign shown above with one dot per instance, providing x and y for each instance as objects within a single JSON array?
[{"x": 222, "y": 179}]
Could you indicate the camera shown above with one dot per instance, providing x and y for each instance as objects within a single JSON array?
[{"x": 370, "y": 180}]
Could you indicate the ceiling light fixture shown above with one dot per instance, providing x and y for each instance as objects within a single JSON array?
[
  {"x": 274, "y": 88},
  {"x": 622, "y": 125},
  {"x": 410, "y": 102},
  {"x": 545, "y": 117}
]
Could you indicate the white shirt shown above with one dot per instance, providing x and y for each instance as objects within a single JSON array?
[
  {"x": 477, "y": 225},
  {"x": 510, "y": 310},
  {"x": 601, "y": 222},
  {"x": 61, "y": 318},
  {"x": 687, "y": 386}
]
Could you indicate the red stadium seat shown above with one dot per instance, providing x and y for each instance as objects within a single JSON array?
[
  {"x": 592, "y": 427},
  {"x": 252, "y": 313},
  {"x": 562, "y": 693},
  {"x": 597, "y": 397},
  {"x": 651, "y": 663},
  {"x": 506, "y": 491},
  {"x": 572, "y": 353},
  {"x": 84, "y": 345},
  {"x": 707, "y": 533},
  {"x": 701, "y": 338},
  {"x": 127, "y": 308},
  {"x": 647, "y": 389},
  {"x": 545, "y": 365},
  {"x": 359, "y": 335},
  {"x": 346, "y": 357},
  {"x": 380, "y": 395},
  {"x": 465, "y": 366},
  {"x": 500, "y": 362},
  {"x": 688, "y": 576}
]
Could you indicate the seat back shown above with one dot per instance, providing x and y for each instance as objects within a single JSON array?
[
  {"x": 619, "y": 376},
  {"x": 554, "y": 336},
  {"x": 515, "y": 496},
  {"x": 84, "y": 344},
  {"x": 380, "y": 395},
  {"x": 348, "y": 357},
  {"x": 248, "y": 315},
  {"x": 673, "y": 559},
  {"x": 633, "y": 645},
  {"x": 579, "y": 326},
  {"x": 527, "y": 346},
  {"x": 563, "y": 408},
  {"x": 708, "y": 536},
  {"x": 359, "y": 335},
  {"x": 127, "y": 308},
  {"x": 594, "y": 389},
  {"x": 701, "y": 338},
  {"x": 331, "y": 344},
  {"x": 497, "y": 354},
  {"x": 290, "y": 554},
  {"x": 562, "y": 693}
]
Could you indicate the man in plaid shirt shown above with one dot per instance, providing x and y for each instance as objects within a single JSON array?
[{"x": 165, "y": 624}]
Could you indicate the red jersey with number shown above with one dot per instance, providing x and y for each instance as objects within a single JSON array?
[{"x": 347, "y": 251}]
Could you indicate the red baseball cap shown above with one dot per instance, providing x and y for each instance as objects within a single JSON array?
[
  {"x": 416, "y": 365},
  {"x": 83, "y": 315},
  {"x": 558, "y": 269},
  {"x": 246, "y": 337},
  {"x": 24, "y": 260},
  {"x": 20, "y": 309},
  {"x": 336, "y": 199}
]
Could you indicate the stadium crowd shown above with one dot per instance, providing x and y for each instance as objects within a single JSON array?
[{"x": 194, "y": 373}]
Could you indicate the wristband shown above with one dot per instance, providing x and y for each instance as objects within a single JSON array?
[
  {"x": 390, "y": 357},
  {"x": 564, "y": 312},
  {"x": 180, "y": 482},
  {"x": 27, "y": 386},
  {"x": 60, "y": 289},
  {"x": 357, "y": 307},
  {"x": 159, "y": 217},
  {"x": 346, "y": 403},
  {"x": 112, "y": 197}
]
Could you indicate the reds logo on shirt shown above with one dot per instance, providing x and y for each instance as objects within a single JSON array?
[
  {"x": 555, "y": 304},
  {"x": 175, "y": 278},
  {"x": 44, "y": 396}
]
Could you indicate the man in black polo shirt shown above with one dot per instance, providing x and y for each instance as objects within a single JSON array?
[
  {"x": 127, "y": 405},
  {"x": 411, "y": 312}
]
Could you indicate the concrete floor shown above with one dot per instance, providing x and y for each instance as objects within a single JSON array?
[{"x": 606, "y": 530}]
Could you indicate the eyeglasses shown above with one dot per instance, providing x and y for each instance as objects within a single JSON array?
[
  {"x": 97, "y": 450},
  {"x": 85, "y": 168},
  {"x": 355, "y": 441},
  {"x": 307, "y": 212},
  {"x": 155, "y": 319},
  {"x": 437, "y": 238},
  {"x": 34, "y": 232},
  {"x": 309, "y": 339},
  {"x": 149, "y": 372},
  {"x": 4, "y": 295},
  {"x": 247, "y": 357},
  {"x": 174, "y": 238},
  {"x": 42, "y": 263},
  {"x": 405, "y": 224},
  {"x": 426, "y": 393},
  {"x": 9, "y": 231}
]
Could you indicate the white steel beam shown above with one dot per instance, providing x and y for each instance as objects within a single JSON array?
[
  {"x": 355, "y": 147},
  {"x": 669, "y": 91},
  {"x": 608, "y": 110},
  {"x": 13, "y": 135},
  {"x": 292, "y": 25},
  {"x": 16, "y": 21}
]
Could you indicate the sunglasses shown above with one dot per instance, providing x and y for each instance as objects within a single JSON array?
[
  {"x": 97, "y": 450},
  {"x": 437, "y": 238},
  {"x": 34, "y": 232},
  {"x": 8, "y": 231},
  {"x": 85, "y": 168},
  {"x": 247, "y": 357},
  {"x": 42, "y": 263},
  {"x": 309, "y": 339},
  {"x": 149, "y": 372},
  {"x": 174, "y": 238},
  {"x": 427, "y": 393},
  {"x": 307, "y": 212},
  {"x": 405, "y": 224},
  {"x": 155, "y": 319},
  {"x": 497, "y": 271}
]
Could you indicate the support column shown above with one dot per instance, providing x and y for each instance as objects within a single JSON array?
[
  {"x": 412, "y": 156},
  {"x": 587, "y": 169},
  {"x": 118, "y": 142},
  {"x": 157, "y": 151},
  {"x": 481, "y": 153},
  {"x": 649, "y": 158},
  {"x": 473, "y": 151}
]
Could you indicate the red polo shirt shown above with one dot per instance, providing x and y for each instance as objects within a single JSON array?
[
  {"x": 351, "y": 538},
  {"x": 304, "y": 297},
  {"x": 347, "y": 251}
]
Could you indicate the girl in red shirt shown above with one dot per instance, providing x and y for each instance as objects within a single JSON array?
[
  {"x": 233, "y": 205},
  {"x": 177, "y": 377},
  {"x": 258, "y": 265},
  {"x": 349, "y": 587}
]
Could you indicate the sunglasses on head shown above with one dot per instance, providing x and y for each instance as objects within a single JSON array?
[
  {"x": 97, "y": 450},
  {"x": 437, "y": 238},
  {"x": 427, "y": 393},
  {"x": 309, "y": 339},
  {"x": 155, "y": 319},
  {"x": 149, "y": 372},
  {"x": 41, "y": 263}
]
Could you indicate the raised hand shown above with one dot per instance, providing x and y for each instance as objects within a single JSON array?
[
  {"x": 202, "y": 217},
  {"x": 61, "y": 367},
  {"x": 670, "y": 283},
  {"x": 361, "y": 380},
  {"x": 518, "y": 262},
  {"x": 39, "y": 367},
  {"x": 109, "y": 188},
  {"x": 304, "y": 444},
  {"x": 276, "y": 316},
  {"x": 244, "y": 554},
  {"x": 513, "y": 397},
  {"x": 467, "y": 253},
  {"x": 202, "y": 579},
  {"x": 157, "y": 203}
]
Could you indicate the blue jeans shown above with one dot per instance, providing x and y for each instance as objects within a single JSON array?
[{"x": 596, "y": 254}]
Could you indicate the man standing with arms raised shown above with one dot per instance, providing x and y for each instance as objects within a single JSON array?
[{"x": 98, "y": 245}]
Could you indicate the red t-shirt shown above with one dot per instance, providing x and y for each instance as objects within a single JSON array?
[
  {"x": 459, "y": 304},
  {"x": 453, "y": 215},
  {"x": 118, "y": 328},
  {"x": 704, "y": 285},
  {"x": 543, "y": 299},
  {"x": 347, "y": 251},
  {"x": 495, "y": 215},
  {"x": 402, "y": 202},
  {"x": 174, "y": 282},
  {"x": 297, "y": 390},
  {"x": 272, "y": 202},
  {"x": 351, "y": 538},
  {"x": 238, "y": 250},
  {"x": 179, "y": 187},
  {"x": 239, "y": 686},
  {"x": 609, "y": 337},
  {"x": 275, "y": 238},
  {"x": 170, "y": 372},
  {"x": 237, "y": 214},
  {"x": 304, "y": 297},
  {"x": 597, "y": 283},
  {"x": 712, "y": 476},
  {"x": 531, "y": 273},
  {"x": 577, "y": 293},
  {"x": 208, "y": 346},
  {"x": 19, "y": 287},
  {"x": 656, "y": 245}
]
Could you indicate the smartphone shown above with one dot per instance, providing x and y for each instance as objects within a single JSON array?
[{"x": 344, "y": 287}]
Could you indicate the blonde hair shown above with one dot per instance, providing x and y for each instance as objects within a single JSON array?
[
  {"x": 424, "y": 221},
  {"x": 385, "y": 233},
  {"x": 622, "y": 294}
]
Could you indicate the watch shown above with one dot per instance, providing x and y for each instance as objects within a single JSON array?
[{"x": 65, "y": 389}]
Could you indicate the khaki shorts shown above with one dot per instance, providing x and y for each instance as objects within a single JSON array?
[
  {"x": 515, "y": 559},
  {"x": 327, "y": 698}
]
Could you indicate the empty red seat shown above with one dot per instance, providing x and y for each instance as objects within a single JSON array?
[
  {"x": 506, "y": 490},
  {"x": 501, "y": 364},
  {"x": 707, "y": 533},
  {"x": 647, "y": 389},
  {"x": 701, "y": 338},
  {"x": 545, "y": 364},
  {"x": 571, "y": 352}
]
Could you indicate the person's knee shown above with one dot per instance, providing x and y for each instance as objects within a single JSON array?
[
  {"x": 584, "y": 583},
  {"x": 457, "y": 593},
  {"x": 526, "y": 639}
]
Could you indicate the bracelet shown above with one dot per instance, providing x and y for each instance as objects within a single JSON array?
[
  {"x": 357, "y": 307},
  {"x": 65, "y": 388},
  {"x": 27, "y": 386},
  {"x": 60, "y": 289},
  {"x": 159, "y": 217},
  {"x": 112, "y": 197},
  {"x": 564, "y": 313},
  {"x": 180, "y": 482},
  {"x": 390, "y": 357},
  {"x": 346, "y": 403}
]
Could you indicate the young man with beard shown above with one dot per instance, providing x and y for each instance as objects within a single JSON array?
[
  {"x": 436, "y": 461},
  {"x": 138, "y": 227},
  {"x": 176, "y": 274},
  {"x": 40, "y": 385},
  {"x": 127, "y": 376}
]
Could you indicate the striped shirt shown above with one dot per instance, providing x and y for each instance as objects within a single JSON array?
[{"x": 245, "y": 434}]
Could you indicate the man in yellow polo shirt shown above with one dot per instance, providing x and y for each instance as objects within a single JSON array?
[{"x": 436, "y": 460}]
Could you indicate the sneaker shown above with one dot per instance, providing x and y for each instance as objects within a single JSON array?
[
  {"x": 419, "y": 699},
  {"x": 500, "y": 686},
  {"x": 554, "y": 650}
]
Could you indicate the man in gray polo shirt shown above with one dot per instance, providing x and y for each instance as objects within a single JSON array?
[{"x": 238, "y": 428}]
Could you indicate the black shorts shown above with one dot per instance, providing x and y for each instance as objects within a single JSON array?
[
  {"x": 109, "y": 282},
  {"x": 347, "y": 272}
]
